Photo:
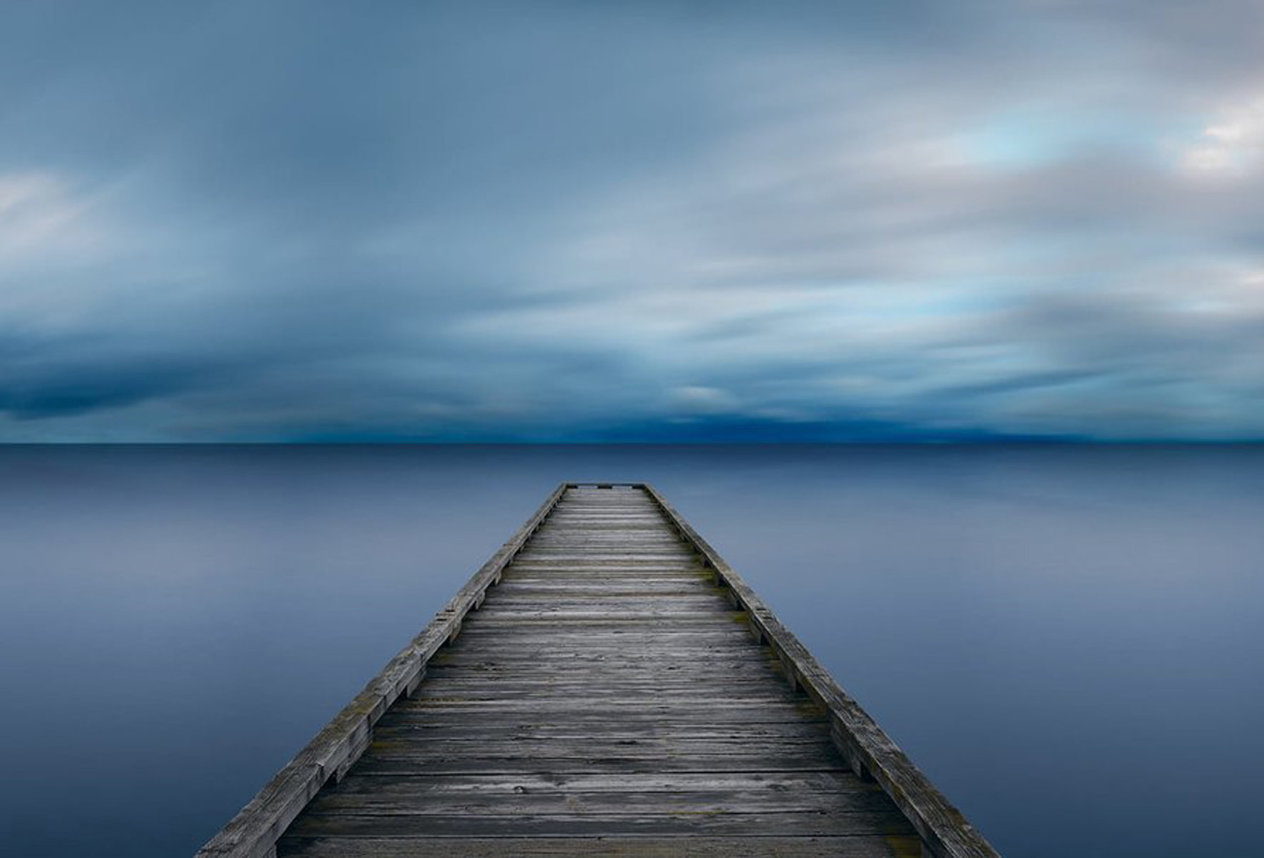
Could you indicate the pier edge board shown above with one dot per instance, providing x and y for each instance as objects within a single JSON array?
[
  {"x": 254, "y": 830},
  {"x": 944, "y": 830}
]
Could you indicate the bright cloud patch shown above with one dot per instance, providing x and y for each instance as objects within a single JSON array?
[
  {"x": 40, "y": 215},
  {"x": 1234, "y": 144}
]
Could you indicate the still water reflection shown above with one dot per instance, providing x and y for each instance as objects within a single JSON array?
[{"x": 1067, "y": 640}]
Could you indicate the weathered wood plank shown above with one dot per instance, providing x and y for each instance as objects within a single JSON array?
[
  {"x": 556, "y": 587},
  {"x": 420, "y": 746},
  {"x": 608, "y": 610},
  {"x": 472, "y": 759},
  {"x": 722, "y": 660},
  {"x": 388, "y": 797},
  {"x": 684, "y": 737},
  {"x": 628, "y": 731},
  {"x": 457, "y": 662},
  {"x": 578, "y": 824},
  {"x": 763, "y": 792},
  {"x": 821, "y": 782},
  {"x": 864, "y": 846},
  {"x": 592, "y": 685}
]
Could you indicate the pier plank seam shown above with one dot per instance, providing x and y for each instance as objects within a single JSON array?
[{"x": 565, "y": 720}]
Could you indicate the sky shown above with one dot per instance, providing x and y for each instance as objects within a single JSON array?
[{"x": 644, "y": 221}]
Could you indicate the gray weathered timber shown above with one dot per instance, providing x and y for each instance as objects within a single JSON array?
[{"x": 596, "y": 689}]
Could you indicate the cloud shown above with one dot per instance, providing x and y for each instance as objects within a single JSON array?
[
  {"x": 1233, "y": 145},
  {"x": 656, "y": 221},
  {"x": 694, "y": 399}
]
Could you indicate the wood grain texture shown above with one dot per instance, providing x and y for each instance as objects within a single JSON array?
[
  {"x": 596, "y": 689},
  {"x": 610, "y": 847}
]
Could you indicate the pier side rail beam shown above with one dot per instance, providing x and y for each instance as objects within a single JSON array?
[
  {"x": 943, "y": 828},
  {"x": 254, "y": 831}
]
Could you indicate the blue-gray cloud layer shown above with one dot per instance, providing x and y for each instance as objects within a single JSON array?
[{"x": 287, "y": 220}]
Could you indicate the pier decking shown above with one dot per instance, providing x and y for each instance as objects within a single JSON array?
[{"x": 604, "y": 685}]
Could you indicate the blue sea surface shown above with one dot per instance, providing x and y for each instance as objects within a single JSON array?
[{"x": 1067, "y": 639}]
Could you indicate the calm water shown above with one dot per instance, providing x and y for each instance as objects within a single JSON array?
[{"x": 1067, "y": 640}]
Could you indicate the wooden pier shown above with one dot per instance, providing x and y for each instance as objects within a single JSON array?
[{"x": 604, "y": 685}]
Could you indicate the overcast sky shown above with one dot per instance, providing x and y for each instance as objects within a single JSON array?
[{"x": 638, "y": 221}]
